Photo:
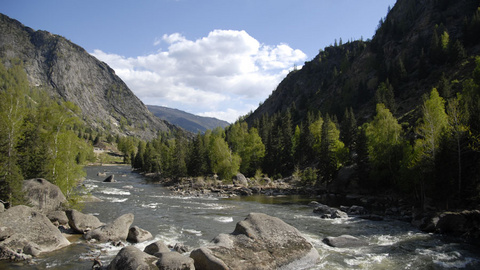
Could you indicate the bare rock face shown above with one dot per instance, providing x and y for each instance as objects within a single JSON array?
[
  {"x": 258, "y": 242},
  {"x": 67, "y": 71},
  {"x": 132, "y": 258},
  {"x": 115, "y": 231},
  {"x": 28, "y": 230},
  {"x": 82, "y": 223},
  {"x": 43, "y": 195}
]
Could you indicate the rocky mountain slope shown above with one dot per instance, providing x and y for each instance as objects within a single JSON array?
[
  {"x": 418, "y": 45},
  {"x": 187, "y": 121},
  {"x": 67, "y": 71}
]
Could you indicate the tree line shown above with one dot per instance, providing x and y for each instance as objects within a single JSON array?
[
  {"x": 39, "y": 137},
  {"x": 435, "y": 158}
]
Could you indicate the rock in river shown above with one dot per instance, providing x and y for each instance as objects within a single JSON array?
[
  {"x": 29, "y": 231},
  {"x": 258, "y": 242},
  {"x": 82, "y": 223},
  {"x": 137, "y": 235},
  {"x": 344, "y": 241},
  {"x": 115, "y": 231},
  {"x": 132, "y": 258}
]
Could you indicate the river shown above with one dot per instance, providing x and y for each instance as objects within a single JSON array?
[{"x": 194, "y": 221}]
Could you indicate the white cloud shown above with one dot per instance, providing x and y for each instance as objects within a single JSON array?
[{"x": 224, "y": 75}]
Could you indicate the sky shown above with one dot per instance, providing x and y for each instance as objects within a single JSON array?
[{"x": 216, "y": 58}]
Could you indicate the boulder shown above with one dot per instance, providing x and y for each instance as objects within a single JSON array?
[
  {"x": 258, "y": 242},
  {"x": 156, "y": 247},
  {"x": 329, "y": 212},
  {"x": 43, "y": 195},
  {"x": 115, "y": 231},
  {"x": 2, "y": 207},
  {"x": 7, "y": 253},
  {"x": 82, "y": 223},
  {"x": 132, "y": 258},
  {"x": 58, "y": 218},
  {"x": 174, "y": 261},
  {"x": 240, "y": 180},
  {"x": 344, "y": 241},
  {"x": 465, "y": 224},
  {"x": 29, "y": 230},
  {"x": 110, "y": 179},
  {"x": 137, "y": 235}
]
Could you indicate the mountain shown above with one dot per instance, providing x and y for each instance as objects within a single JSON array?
[
  {"x": 65, "y": 70},
  {"x": 417, "y": 46},
  {"x": 187, "y": 121}
]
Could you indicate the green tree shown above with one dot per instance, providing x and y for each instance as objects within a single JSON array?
[
  {"x": 13, "y": 89},
  {"x": 385, "y": 147},
  {"x": 386, "y": 96},
  {"x": 223, "y": 161},
  {"x": 332, "y": 151}
]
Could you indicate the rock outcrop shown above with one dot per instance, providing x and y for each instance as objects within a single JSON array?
[
  {"x": 43, "y": 195},
  {"x": 82, "y": 223},
  {"x": 115, "y": 231},
  {"x": 258, "y": 242},
  {"x": 28, "y": 230}
]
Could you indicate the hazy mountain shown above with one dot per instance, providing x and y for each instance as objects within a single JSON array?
[
  {"x": 187, "y": 121},
  {"x": 65, "y": 70},
  {"x": 417, "y": 46}
]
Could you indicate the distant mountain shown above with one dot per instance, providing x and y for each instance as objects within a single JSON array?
[
  {"x": 187, "y": 121},
  {"x": 66, "y": 71},
  {"x": 417, "y": 46}
]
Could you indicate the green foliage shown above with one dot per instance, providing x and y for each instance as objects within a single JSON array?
[{"x": 38, "y": 138}]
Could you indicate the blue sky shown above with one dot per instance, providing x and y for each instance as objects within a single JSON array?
[{"x": 215, "y": 58}]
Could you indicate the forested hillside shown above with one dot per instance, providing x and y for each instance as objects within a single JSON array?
[{"x": 397, "y": 114}]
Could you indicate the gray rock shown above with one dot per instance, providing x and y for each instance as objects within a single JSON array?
[
  {"x": 329, "y": 212},
  {"x": 82, "y": 223},
  {"x": 465, "y": 223},
  {"x": 29, "y": 230},
  {"x": 258, "y": 242},
  {"x": 344, "y": 241},
  {"x": 7, "y": 253},
  {"x": 5, "y": 232},
  {"x": 174, "y": 261},
  {"x": 115, "y": 231},
  {"x": 58, "y": 218},
  {"x": 180, "y": 248},
  {"x": 137, "y": 235},
  {"x": 240, "y": 180},
  {"x": 132, "y": 258},
  {"x": 2, "y": 207},
  {"x": 43, "y": 195},
  {"x": 156, "y": 247},
  {"x": 110, "y": 179}
]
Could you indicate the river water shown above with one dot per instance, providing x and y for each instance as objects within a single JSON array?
[{"x": 194, "y": 221}]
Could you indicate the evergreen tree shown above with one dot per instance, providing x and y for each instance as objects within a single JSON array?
[{"x": 348, "y": 129}]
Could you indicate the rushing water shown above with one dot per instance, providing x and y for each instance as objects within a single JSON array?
[{"x": 194, "y": 221}]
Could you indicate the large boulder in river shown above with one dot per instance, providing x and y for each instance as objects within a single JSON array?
[
  {"x": 115, "y": 231},
  {"x": 137, "y": 235},
  {"x": 43, "y": 195},
  {"x": 132, "y": 258},
  {"x": 28, "y": 230},
  {"x": 156, "y": 247},
  {"x": 465, "y": 224},
  {"x": 82, "y": 223},
  {"x": 258, "y": 242}
]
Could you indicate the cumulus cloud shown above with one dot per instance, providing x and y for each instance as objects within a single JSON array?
[{"x": 224, "y": 75}]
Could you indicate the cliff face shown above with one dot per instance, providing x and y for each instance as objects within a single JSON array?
[
  {"x": 66, "y": 70},
  {"x": 406, "y": 52}
]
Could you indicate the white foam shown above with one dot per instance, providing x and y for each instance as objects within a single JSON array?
[
  {"x": 191, "y": 231},
  {"x": 115, "y": 191},
  {"x": 224, "y": 219}
]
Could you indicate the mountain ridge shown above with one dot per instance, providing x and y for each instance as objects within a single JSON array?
[
  {"x": 65, "y": 70},
  {"x": 187, "y": 121}
]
